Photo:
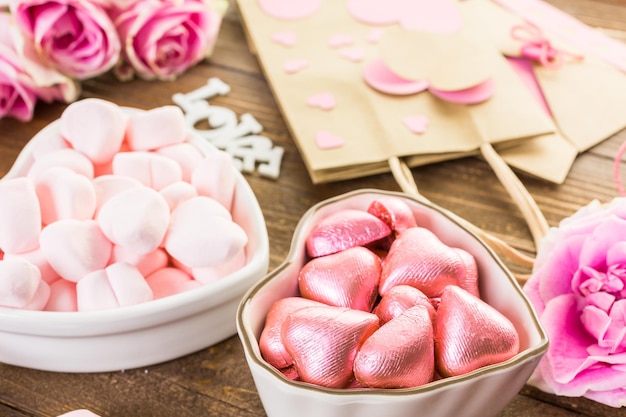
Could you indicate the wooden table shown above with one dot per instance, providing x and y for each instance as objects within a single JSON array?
[{"x": 216, "y": 381}]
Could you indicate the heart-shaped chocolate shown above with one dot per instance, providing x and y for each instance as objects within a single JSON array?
[
  {"x": 399, "y": 299},
  {"x": 345, "y": 229},
  {"x": 400, "y": 354},
  {"x": 393, "y": 211},
  {"x": 344, "y": 279},
  {"x": 271, "y": 342},
  {"x": 469, "y": 334},
  {"x": 323, "y": 342},
  {"x": 418, "y": 258}
]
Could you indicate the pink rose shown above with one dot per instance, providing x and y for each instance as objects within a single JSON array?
[
  {"x": 578, "y": 288},
  {"x": 163, "y": 38},
  {"x": 23, "y": 80},
  {"x": 76, "y": 37}
]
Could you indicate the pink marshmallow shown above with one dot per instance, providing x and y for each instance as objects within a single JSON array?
[
  {"x": 37, "y": 258},
  {"x": 94, "y": 127},
  {"x": 197, "y": 237},
  {"x": 20, "y": 216},
  {"x": 19, "y": 282},
  {"x": 94, "y": 292},
  {"x": 152, "y": 129},
  {"x": 41, "y": 297},
  {"x": 129, "y": 286},
  {"x": 47, "y": 140},
  {"x": 178, "y": 192},
  {"x": 215, "y": 177},
  {"x": 150, "y": 169},
  {"x": 64, "y": 194},
  {"x": 146, "y": 264},
  {"x": 62, "y": 296},
  {"x": 79, "y": 413},
  {"x": 185, "y": 154},
  {"x": 136, "y": 219},
  {"x": 75, "y": 248},
  {"x": 170, "y": 281},
  {"x": 118, "y": 285},
  {"x": 107, "y": 186},
  {"x": 69, "y": 158},
  {"x": 211, "y": 274}
]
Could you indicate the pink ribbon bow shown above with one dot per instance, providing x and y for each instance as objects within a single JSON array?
[{"x": 538, "y": 48}]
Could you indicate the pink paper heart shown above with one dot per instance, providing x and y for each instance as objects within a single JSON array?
[
  {"x": 286, "y": 38},
  {"x": 294, "y": 65},
  {"x": 338, "y": 40},
  {"x": 353, "y": 54},
  {"x": 378, "y": 76},
  {"x": 328, "y": 140},
  {"x": 324, "y": 101},
  {"x": 440, "y": 16},
  {"x": 417, "y": 123}
]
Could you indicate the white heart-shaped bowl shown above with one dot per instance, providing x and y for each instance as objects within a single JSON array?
[
  {"x": 481, "y": 393},
  {"x": 142, "y": 334}
]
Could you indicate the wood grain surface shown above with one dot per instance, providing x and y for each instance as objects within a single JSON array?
[{"x": 216, "y": 381}]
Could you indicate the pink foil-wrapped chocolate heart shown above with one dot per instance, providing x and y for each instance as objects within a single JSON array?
[
  {"x": 418, "y": 258},
  {"x": 344, "y": 279},
  {"x": 323, "y": 342},
  {"x": 470, "y": 334},
  {"x": 271, "y": 342},
  {"x": 399, "y": 299},
  {"x": 393, "y": 211},
  {"x": 400, "y": 354},
  {"x": 345, "y": 229}
]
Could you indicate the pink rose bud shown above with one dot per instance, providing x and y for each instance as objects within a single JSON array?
[
  {"x": 89, "y": 49},
  {"x": 163, "y": 39}
]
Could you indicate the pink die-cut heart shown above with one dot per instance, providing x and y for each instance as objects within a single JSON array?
[
  {"x": 292, "y": 66},
  {"x": 353, "y": 54},
  {"x": 285, "y": 38},
  {"x": 339, "y": 40},
  {"x": 327, "y": 140},
  {"x": 417, "y": 123},
  {"x": 324, "y": 101}
]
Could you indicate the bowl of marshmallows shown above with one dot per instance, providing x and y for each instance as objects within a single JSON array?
[{"x": 125, "y": 241}]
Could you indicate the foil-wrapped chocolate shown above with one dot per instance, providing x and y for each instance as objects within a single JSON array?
[
  {"x": 470, "y": 334},
  {"x": 344, "y": 279}
]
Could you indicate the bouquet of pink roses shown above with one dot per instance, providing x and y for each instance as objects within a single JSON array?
[{"x": 48, "y": 46}]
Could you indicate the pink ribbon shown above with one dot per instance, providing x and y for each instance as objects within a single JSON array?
[{"x": 538, "y": 48}]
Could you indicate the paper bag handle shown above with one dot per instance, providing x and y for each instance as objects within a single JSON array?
[{"x": 534, "y": 218}]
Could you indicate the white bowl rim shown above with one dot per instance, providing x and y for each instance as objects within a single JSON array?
[
  {"x": 129, "y": 318},
  {"x": 251, "y": 353}
]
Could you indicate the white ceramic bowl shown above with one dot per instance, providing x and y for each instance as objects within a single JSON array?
[
  {"x": 482, "y": 393},
  {"x": 142, "y": 334}
]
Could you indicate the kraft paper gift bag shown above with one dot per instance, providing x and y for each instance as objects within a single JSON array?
[{"x": 316, "y": 60}]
